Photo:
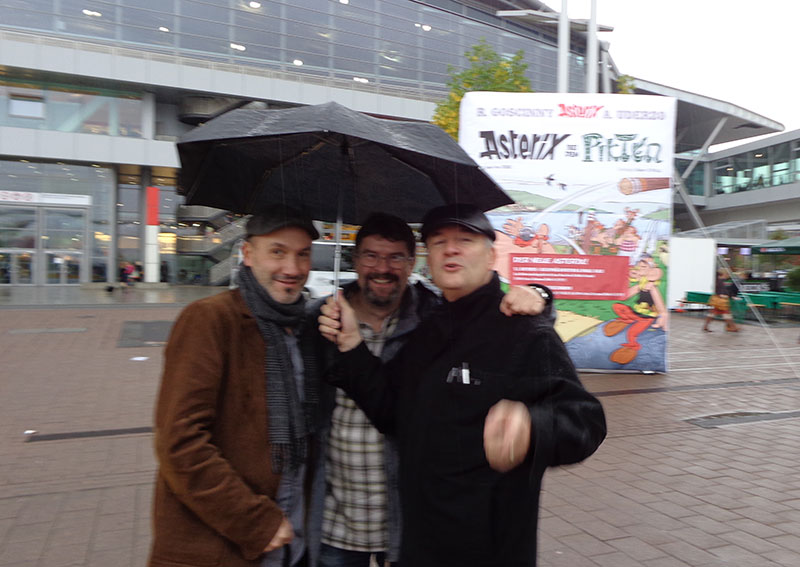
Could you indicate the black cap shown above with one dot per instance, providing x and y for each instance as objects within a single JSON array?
[
  {"x": 461, "y": 214},
  {"x": 276, "y": 217}
]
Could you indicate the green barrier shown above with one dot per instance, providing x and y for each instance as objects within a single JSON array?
[
  {"x": 771, "y": 301},
  {"x": 697, "y": 297}
]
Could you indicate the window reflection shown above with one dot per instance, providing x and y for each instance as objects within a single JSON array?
[
  {"x": 274, "y": 34},
  {"x": 695, "y": 182},
  {"x": 757, "y": 169},
  {"x": 781, "y": 167},
  {"x": 66, "y": 110}
]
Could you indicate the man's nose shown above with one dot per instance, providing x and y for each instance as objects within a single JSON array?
[
  {"x": 380, "y": 260},
  {"x": 452, "y": 247},
  {"x": 292, "y": 265}
]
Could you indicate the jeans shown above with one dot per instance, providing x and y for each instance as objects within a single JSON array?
[{"x": 330, "y": 556}]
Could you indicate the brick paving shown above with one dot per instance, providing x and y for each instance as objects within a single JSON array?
[{"x": 699, "y": 468}]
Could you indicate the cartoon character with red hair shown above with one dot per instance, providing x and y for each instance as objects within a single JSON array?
[{"x": 525, "y": 236}]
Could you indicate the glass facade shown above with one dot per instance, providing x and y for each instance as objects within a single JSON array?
[
  {"x": 380, "y": 43},
  {"x": 168, "y": 202},
  {"x": 47, "y": 106},
  {"x": 55, "y": 221},
  {"x": 130, "y": 214},
  {"x": 770, "y": 166},
  {"x": 695, "y": 183}
]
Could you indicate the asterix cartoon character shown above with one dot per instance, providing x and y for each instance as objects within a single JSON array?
[
  {"x": 525, "y": 236},
  {"x": 648, "y": 311}
]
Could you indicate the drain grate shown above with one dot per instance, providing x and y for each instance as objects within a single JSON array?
[
  {"x": 37, "y": 331},
  {"x": 697, "y": 387},
  {"x": 144, "y": 333},
  {"x": 739, "y": 417},
  {"x": 86, "y": 434}
]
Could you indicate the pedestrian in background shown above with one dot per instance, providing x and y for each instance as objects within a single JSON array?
[{"x": 720, "y": 304}]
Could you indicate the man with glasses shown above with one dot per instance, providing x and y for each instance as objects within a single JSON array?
[{"x": 355, "y": 500}]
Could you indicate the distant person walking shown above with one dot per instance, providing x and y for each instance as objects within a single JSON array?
[
  {"x": 125, "y": 271},
  {"x": 720, "y": 304}
]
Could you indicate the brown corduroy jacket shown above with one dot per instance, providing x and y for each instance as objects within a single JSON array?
[{"x": 214, "y": 495}]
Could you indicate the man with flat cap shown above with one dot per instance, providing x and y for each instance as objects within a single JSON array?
[
  {"x": 236, "y": 411},
  {"x": 480, "y": 403}
]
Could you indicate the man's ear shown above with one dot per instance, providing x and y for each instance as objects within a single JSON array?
[
  {"x": 492, "y": 257},
  {"x": 247, "y": 252}
]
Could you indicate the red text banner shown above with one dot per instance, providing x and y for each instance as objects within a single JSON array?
[{"x": 573, "y": 276}]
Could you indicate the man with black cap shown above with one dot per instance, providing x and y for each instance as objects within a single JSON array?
[
  {"x": 236, "y": 410},
  {"x": 355, "y": 505},
  {"x": 480, "y": 404}
]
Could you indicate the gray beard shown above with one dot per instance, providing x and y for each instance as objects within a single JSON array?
[{"x": 380, "y": 301}]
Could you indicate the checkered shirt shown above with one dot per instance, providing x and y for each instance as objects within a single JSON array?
[{"x": 355, "y": 503}]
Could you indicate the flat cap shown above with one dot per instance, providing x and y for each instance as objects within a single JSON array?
[
  {"x": 278, "y": 216},
  {"x": 461, "y": 214}
]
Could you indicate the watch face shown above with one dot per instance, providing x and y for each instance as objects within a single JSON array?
[{"x": 526, "y": 234}]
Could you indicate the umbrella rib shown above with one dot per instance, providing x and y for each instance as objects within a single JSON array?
[{"x": 268, "y": 173}]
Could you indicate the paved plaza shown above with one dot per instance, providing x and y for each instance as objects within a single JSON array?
[{"x": 700, "y": 467}]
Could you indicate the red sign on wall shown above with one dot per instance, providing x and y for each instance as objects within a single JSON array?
[
  {"x": 572, "y": 276},
  {"x": 152, "y": 206}
]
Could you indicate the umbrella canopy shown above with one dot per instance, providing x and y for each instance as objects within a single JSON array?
[
  {"x": 787, "y": 246},
  {"x": 330, "y": 161}
]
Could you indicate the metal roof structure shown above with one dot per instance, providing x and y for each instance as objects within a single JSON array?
[
  {"x": 734, "y": 233},
  {"x": 701, "y": 121},
  {"x": 699, "y": 115}
]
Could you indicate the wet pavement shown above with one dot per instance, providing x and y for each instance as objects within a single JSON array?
[{"x": 700, "y": 467}]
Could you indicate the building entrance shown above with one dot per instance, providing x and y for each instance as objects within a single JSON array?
[
  {"x": 42, "y": 245},
  {"x": 16, "y": 267}
]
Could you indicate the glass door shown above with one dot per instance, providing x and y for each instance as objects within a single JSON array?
[
  {"x": 18, "y": 231},
  {"x": 16, "y": 267},
  {"x": 23, "y": 262},
  {"x": 63, "y": 239}
]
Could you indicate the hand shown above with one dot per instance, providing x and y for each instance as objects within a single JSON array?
[
  {"x": 283, "y": 536},
  {"x": 507, "y": 435},
  {"x": 513, "y": 227},
  {"x": 522, "y": 300},
  {"x": 338, "y": 323},
  {"x": 661, "y": 322}
]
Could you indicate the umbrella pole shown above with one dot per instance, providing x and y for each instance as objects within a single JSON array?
[{"x": 337, "y": 250}]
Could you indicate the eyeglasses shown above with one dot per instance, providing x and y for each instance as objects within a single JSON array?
[{"x": 371, "y": 259}]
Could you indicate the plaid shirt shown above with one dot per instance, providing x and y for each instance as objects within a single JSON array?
[{"x": 354, "y": 517}]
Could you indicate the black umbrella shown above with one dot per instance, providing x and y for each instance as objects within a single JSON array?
[{"x": 334, "y": 163}]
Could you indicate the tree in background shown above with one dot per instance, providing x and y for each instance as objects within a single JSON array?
[
  {"x": 488, "y": 71},
  {"x": 793, "y": 279},
  {"x": 626, "y": 84},
  {"x": 782, "y": 261}
]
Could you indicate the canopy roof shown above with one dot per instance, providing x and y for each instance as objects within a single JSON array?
[
  {"x": 787, "y": 246},
  {"x": 732, "y": 233},
  {"x": 698, "y": 115}
]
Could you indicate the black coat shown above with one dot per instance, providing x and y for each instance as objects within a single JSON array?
[{"x": 457, "y": 511}]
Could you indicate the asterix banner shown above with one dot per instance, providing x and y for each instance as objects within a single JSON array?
[{"x": 591, "y": 179}]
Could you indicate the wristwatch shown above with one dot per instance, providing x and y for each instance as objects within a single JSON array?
[{"x": 543, "y": 291}]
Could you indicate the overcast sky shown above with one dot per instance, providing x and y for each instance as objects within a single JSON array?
[{"x": 740, "y": 51}]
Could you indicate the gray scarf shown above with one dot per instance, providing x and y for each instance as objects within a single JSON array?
[{"x": 290, "y": 421}]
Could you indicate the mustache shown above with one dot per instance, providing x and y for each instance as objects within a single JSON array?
[{"x": 386, "y": 276}]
